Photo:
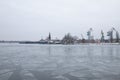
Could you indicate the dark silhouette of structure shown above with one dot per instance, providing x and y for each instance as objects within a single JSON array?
[
  {"x": 102, "y": 36},
  {"x": 90, "y": 36},
  {"x": 49, "y": 37},
  {"x": 110, "y": 34},
  {"x": 68, "y": 39}
]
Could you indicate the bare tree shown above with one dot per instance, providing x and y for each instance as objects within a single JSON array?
[{"x": 68, "y": 39}]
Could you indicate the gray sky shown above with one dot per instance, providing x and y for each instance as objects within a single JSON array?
[{"x": 33, "y": 19}]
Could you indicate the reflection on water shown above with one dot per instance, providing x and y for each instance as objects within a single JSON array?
[
  {"x": 90, "y": 53},
  {"x": 59, "y": 62},
  {"x": 111, "y": 54}
]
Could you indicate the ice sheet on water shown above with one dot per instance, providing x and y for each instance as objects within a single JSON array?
[{"x": 64, "y": 62}]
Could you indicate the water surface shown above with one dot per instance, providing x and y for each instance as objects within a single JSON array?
[{"x": 59, "y": 62}]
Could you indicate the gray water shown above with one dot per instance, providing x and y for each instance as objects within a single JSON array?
[{"x": 59, "y": 62}]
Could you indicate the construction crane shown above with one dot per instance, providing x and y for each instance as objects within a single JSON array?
[
  {"x": 110, "y": 34},
  {"x": 82, "y": 36},
  {"x": 117, "y": 35},
  {"x": 83, "y": 39}
]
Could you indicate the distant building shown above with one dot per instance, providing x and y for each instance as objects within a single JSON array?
[
  {"x": 57, "y": 41},
  {"x": 111, "y": 36}
]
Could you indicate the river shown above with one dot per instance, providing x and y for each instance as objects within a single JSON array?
[{"x": 59, "y": 62}]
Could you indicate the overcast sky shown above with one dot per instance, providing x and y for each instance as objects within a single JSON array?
[{"x": 33, "y": 19}]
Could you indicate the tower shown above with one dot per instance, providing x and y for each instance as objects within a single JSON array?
[
  {"x": 49, "y": 37},
  {"x": 102, "y": 36},
  {"x": 89, "y": 34}
]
